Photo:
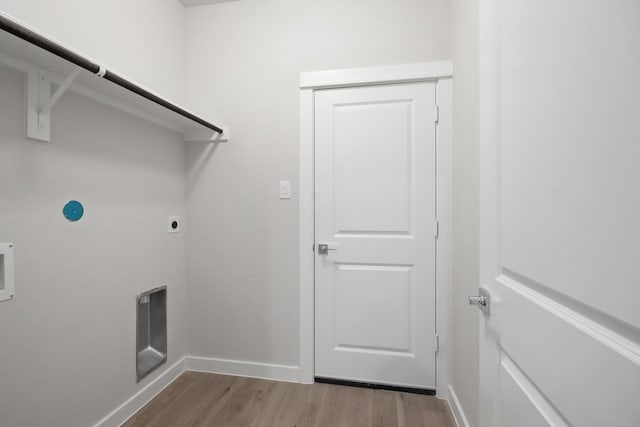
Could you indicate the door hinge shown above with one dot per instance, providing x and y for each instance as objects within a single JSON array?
[
  {"x": 437, "y": 114},
  {"x": 437, "y": 229},
  {"x": 437, "y": 343}
]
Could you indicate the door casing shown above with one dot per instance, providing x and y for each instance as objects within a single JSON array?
[{"x": 441, "y": 73}]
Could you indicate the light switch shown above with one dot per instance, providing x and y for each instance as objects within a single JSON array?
[{"x": 285, "y": 189}]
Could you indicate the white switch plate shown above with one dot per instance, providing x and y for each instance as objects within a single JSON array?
[
  {"x": 285, "y": 189},
  {"x": 174, "y": 224}
]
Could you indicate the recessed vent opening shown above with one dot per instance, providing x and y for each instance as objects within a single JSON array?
[{"x": 151, "y": 336}]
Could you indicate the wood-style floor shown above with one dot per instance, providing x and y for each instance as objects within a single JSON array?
[{"x": 199, "y": 399}]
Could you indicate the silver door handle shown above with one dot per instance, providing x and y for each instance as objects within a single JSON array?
[
  {"x": 324, "y": 248},
  {"x": 483, "y": 301}
]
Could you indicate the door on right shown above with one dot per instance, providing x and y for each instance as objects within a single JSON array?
[{"x": 560, "y": 213}]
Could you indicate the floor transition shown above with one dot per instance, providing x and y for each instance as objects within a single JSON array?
[{"x": 199, "y": 399}]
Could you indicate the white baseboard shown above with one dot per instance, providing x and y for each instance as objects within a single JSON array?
[
  {"x": 244, "y": 369},
  {"x": 125, "y": 411},
  {"x": 456, "y": 408},
  {"x": 199, "y": 364}
]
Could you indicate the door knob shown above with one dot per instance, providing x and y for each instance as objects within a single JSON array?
[
  {"x": 324, "y": 248},
  {"x": 483, "y": 301}
]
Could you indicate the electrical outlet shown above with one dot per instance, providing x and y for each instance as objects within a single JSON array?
[{"x": 174, "y": 224}]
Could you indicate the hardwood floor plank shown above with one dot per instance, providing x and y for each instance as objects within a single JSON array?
[
  {"x": 235, "y": 409},
  {"x": 384, "y": 410},
  {"x": 419, "y": 410},
  {"x": 297, "y": 405},
  {"x": 360, "y": 406},
  {"x": 217, "y": 392},
  {"x": 207, "y": 400},
  {"x": 332, "y": 407},
  {"x": 165, "y": 400}
]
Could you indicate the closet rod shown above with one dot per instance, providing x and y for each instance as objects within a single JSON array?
[{"x": 34, "y": 38}]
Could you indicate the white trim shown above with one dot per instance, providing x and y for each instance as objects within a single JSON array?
[
  {"x": 309, "y": 82},
  {"x": 402, "y": 73},
  {"x": 307, "y": 236},
  {"x": 444, "y": 211},
  {"x": 456, "y": 409},
  {"x": 537, "y": 399},
  {"x": 207, "y": 135},
  {"x": 597, "y": 331},
  {"x": 243, "y": 368},
  {"x": 129, "y": 408},
  {"x": 197, "y": 364}
]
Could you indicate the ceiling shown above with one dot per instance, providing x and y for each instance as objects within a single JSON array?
[{"x": 189, "y": 3}]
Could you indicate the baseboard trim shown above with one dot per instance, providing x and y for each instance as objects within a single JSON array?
[
  {"x": 244, "y": 369},
  {"x": 125, "y": 411},
  {"x": 456, "y": 408}
]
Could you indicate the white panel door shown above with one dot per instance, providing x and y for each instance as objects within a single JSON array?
[
  {"x": 375, "y": 208},
  {"x": 560, "y": 213}
]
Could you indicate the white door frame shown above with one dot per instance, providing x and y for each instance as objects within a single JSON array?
[{"x": 441, "y": 73}]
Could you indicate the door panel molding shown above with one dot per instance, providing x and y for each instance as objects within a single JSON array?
[
  {"x": 526, "y": 402},
  {"x": 533, "y": 332},
  {"x": 595, "y": 330},
  {"x": 439, "y": 72}
]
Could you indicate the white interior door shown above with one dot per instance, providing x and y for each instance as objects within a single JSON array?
[
  {"x": 375, "y": 209},
  {"x": 560, "y": 213}
]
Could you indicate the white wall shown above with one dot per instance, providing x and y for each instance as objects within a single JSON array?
[
  {"x": 464, "y": 318},
  {"x": 67, "y": 353},
  {"x": 244, "y": 59},
  {"x": 143, "y": 39},
  {"x": 68, "y": 339}
]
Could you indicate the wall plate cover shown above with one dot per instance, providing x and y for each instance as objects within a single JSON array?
[
  {"x": 285, "y": 189},
  {"x": 174, "y": 224}
]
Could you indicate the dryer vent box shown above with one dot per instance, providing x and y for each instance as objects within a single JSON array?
[{"x": 151, "y": 336}]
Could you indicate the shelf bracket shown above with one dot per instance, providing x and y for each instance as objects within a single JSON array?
[
  {"x": 40, "y": 101},
  {"x": 46, "y": 108},
  {"x": 206, "y": 135}
]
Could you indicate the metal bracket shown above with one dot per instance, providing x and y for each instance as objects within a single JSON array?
[{"x": 40, "y": 101}]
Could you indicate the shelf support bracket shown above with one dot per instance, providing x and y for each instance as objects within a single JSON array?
[
  {"x": 40, "y": 101},
  {"x": 46, "y": 108},
  {"x": 207, "y": 135}
]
